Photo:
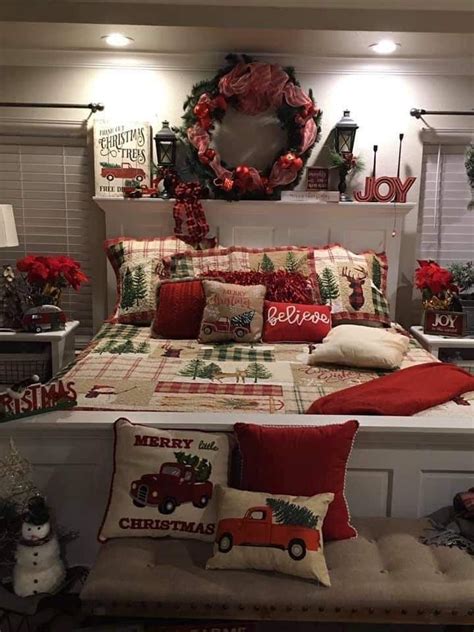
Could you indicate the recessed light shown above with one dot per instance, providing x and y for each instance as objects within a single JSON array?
[
  {"x": 117, "y": 40},
  {"x": 384, "y": 47}
]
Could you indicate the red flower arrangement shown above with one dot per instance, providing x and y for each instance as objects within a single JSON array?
[
  {"x": 436, "y": 284},
  {"x": 48, "y": 275}
]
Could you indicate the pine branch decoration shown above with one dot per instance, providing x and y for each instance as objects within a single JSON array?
[{"x": 291, "y": 514}]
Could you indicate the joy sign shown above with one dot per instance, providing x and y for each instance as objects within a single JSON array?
[{"x": 395, "y": 189}]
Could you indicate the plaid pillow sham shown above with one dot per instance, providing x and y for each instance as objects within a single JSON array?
[{"x": 138, "y": 265}]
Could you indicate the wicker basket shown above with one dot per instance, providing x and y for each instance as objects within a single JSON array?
[{"x": 15, "y": 367}]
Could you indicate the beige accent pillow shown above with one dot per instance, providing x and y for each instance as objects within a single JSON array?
[
  {"x": 271, "y": 533},
  {"x": 164, "y": 483},
  {"x": 232, "y": 312},
  {"x": 362, "y": 347}
]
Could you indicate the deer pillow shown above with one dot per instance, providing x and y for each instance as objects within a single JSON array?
[
  {"x": 232, "y": 312},
  {"x": 164, "y": 483},
  {"x": 361, "y": 347}
]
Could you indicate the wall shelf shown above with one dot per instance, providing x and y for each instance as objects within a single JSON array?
[{"x": 373, "y": 209}]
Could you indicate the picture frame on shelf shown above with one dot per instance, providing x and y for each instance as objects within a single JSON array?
[{"x": 317, "y": 179}]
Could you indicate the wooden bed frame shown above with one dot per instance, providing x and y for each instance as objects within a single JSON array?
[{"x": 400, "y": 466}]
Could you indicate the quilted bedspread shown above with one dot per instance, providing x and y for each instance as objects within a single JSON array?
[{"x": 124, "y": 368}]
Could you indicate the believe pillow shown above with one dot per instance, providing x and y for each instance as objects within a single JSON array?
[
  {"x": 271, "y": 533},
  {"x": 163, "y": 483},
  {"x": 179, "y": 309},
  {"x": 290, "y": 322},
  {"x": 301, "y": 461}
]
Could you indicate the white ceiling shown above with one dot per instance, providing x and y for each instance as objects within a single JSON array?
[{"x": 170, "y": 40}]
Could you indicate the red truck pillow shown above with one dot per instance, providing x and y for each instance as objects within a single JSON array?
[
  {"x": 292, "y": 322},
  {"x": 270, "y": 533},
  {"x": 164, "y": 483},
  {"x": 300, "y": 461}
]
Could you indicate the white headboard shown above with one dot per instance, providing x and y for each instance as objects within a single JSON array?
[{"x": 257, "y": 224}]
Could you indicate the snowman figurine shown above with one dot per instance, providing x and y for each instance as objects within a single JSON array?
[{"x": 39, "y": 567}]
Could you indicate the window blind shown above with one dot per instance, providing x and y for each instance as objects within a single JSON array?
[
  {"x": 49, "y": 187},
  {"x": 446, "y": 225}
]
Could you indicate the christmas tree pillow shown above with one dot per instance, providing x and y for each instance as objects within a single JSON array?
[
  {"x": 290, "y": 322},
  {"x": 301, "y": 461},
  {"x": 271, "y": 533},
  {"x": 138, "y": 264},
  {"x": 353, "y": 285},
  {"x": 180, "y": 304},
  {"x": 232, "y": 312},
  {"x": 164, "y": 483}
]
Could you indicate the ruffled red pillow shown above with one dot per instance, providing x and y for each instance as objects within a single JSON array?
[
  {"x": 282, "y": 286},
  {"x": 293, "y": 322}
]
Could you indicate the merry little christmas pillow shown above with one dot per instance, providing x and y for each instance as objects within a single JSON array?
[
  {"x": 164, "y": 483},
  {"x": 271, "y": 533},
  {"x": 232, "y": 312}
]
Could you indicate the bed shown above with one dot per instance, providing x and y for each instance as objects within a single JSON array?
[
  {"x": 127, "y": 370},
  {"x": 400, "y": 466}
]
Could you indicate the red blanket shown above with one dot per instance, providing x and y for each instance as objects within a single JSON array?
[{"x": 404, "y": 392}]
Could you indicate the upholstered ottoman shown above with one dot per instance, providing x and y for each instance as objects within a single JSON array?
[{"x": 385, "y": 575}]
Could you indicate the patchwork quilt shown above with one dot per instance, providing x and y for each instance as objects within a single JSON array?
[{"x": 124, "y": 368}]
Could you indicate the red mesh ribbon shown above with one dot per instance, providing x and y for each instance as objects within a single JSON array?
[{"x": 190, "y": 222}]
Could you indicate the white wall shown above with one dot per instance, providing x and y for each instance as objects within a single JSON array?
[{"x": 380, "y": 103}]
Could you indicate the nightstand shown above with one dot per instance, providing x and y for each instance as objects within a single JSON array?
[
  {"x": 23, "y": 354},
  {"x": 458, "y": 351}
]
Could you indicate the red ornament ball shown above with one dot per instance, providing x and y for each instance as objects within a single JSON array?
[
  {"x": 210, "y": 154},
  {"x": 201, "y": 110},
  {"x": 297, "y": 163},
  {"x": 242, "y": 171}
]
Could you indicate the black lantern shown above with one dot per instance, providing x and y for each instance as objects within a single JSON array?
[
  {"x": 165, "y": 142},
  {"x": 344, "y": 138}
]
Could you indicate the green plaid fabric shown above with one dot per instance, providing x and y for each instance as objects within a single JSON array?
[{"x": 238, "y": 354}]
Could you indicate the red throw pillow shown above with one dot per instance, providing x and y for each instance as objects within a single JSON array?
[
  {"x": 292, "y": 322},
  {"x": 179, "y": 310},
  {"x": 282, "y": 286},
  {"x": 300, "y": 462}
]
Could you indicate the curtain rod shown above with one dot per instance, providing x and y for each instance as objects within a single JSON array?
[
  {"x": 93, "y": 107},
  {"x": 419, "y": 112}
]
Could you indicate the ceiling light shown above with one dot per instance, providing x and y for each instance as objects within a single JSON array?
[
  {"x": 117, "y": 40},
  {"x": 384, "y": 47}
]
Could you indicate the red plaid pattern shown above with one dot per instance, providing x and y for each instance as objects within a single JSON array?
[
  {"x": 129, "y": 251},
  {"x": 186, "y": 388}
]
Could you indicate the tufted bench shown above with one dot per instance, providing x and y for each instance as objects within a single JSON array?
[{"x": 384, "y": 576}]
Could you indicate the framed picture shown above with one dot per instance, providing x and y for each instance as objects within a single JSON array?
[
  {"x": 122, "y": 156},
  {"x": 317, "y": 179},
  {"x": 442, "y": 323}
]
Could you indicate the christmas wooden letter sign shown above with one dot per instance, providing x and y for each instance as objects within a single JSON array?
[{"x": 396, "y": 190}]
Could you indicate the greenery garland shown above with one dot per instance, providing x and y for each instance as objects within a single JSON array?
[{"x": 240, "y": 182}]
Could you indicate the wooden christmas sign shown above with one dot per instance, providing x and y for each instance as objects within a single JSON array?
[
  {"x": 317, "y": 179},
  {"x": 205, "y": 626},
  {"x": 443, "y": 323},
  {"x": 36, "y": 399},
  {"x": 385, "y": 189},
  {"x": 122, "y": 156}
]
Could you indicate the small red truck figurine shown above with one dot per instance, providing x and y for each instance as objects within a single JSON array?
[
  {"x": 257, "y": 528},
  {"x": 175, "y": 484},
  {"x": 126, "y": 170}
]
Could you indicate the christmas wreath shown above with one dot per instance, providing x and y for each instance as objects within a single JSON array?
[{"x": 251, "y": 87}]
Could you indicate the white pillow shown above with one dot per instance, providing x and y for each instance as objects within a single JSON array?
[{"x": 361, "y": 347}]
